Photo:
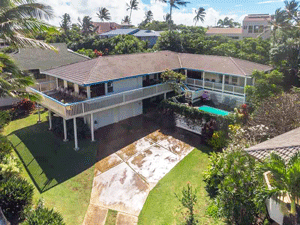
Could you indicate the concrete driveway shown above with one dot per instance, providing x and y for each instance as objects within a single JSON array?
[{"x": 124, "y": 179}]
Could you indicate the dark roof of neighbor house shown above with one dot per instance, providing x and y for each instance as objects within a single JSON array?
[
  {"x": 216, "y": 31},
  {"x": 147, "y": 33},
  {"x": 285, "y": 145},
  {"x": 120, "y": 32},
  {"x": 37, "y": 58},
  {"x": 115, "y": 67}
]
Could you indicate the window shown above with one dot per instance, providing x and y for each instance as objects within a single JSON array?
[
  {"x": 234, "y": 80},
  {"x": 110, "y": 87},
  {"x": 250, "y": 30},
  {"x": 261, "y": 29},
  {"x": 226, "y": 79},
  {"x": 256, "y": 29},
  {"x": 245, "y": 27}
]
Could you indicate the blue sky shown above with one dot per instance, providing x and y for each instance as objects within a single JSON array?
[{"x": 215, "y": 9}]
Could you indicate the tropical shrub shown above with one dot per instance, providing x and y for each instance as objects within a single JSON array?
[
  {"x": 5, "y": 118},
  {"x": 15, "y": 197},
  {"x": 43, "y": 216},
  {"x": 5, "y": 147},
  {"x": 22, "y": 108},
  {"x": 87, "y": 52},
  {"x": 218, "y": 140},
  {"x": 231, "y": 179},
  {"x": 9, "y": 166}
]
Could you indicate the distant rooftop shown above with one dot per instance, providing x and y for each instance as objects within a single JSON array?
[
  {"x": 147, "y": 33},
  {"x": 224, "y": 31},
  {"x": 257, "y": 17},
  {"x": 116, "y": 32}
]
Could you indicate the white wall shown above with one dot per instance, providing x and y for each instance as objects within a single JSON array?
[
  {"x": 127, "y": 84},
  {"x": 117, "y": 114}
]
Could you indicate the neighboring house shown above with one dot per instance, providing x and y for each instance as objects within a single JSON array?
[
  {"x": 285, "y": 145},
  {"x": 36, "y": 59},
  {"x": 234, "y": 33},
  {"x": 103, "y": 27},
  {"x": 254, "y": 25},
  {"x": 109, "y": 89},
  {"x": 149, "y": 36}
]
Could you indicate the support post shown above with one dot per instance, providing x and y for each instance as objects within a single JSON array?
[
  {"x": 105, "y": 88},
  {"x": 186, "y": 77},
  {"x": 165, "y": 96},
  {"x": 223, "y": 83},
  {"x": 245, "y": 84},
  {"x": 75, "y": 135},
  {"x": 203, "y": 80},
  {"x": 39, "y": 113},
  {"x": 65, "y": 84},
  {"x": 56, "y": 80},
  {"x": 65, "y": 131},
  {"x": 92, "y": 127},
  {"x": 50, "y": 119},
  {"x": 88, "y": 92}
]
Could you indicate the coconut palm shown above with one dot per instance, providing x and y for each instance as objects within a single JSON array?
[
  {"x": 174, "y": 4},
  {"x": 65, "y": 23},
  {"x": 200, "y": 14},
  {"x": 126, "y": 20},
  {"x": 103, "y": 14},
  {"x": 22, "y": 19},
  {"x": 133, "y": 5},
  {"x": 13, "y": 81},
  {"x": 285, "y": 179},
  {"x": 148, "y": 16},
  {"x": 86, "y": 25}
]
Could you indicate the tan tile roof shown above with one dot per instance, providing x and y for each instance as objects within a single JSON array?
[
  {"x": 237, "y": 31},
  {"x": 286, "y": 145},
  {"x": 122, "y": 66},
  {"x": 103, "y": 27}
]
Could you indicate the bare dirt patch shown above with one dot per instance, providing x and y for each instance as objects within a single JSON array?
[
  {"x": 125, "y": 219},
  {"x": 108, "y": 163},
  {"x": 95, "y": 215}
]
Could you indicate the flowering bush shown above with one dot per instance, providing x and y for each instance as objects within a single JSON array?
[
  {"x": 22, "y": 108},
  {"x": 218, "y": 140}
]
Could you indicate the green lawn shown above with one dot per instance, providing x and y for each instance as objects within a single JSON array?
[
  {"x": 60, "y": 175},
  {"x": 162, "y": 207}
]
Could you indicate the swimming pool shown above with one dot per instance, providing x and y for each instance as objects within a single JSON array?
[{"x": 212, "y": 110}]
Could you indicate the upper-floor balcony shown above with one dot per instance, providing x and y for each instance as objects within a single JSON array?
[{"x": 70, "y": 105}]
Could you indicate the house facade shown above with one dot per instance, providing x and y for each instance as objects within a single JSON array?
[
  {"x": 234, "y": 33},
  {"x": 109, "y": 89}
]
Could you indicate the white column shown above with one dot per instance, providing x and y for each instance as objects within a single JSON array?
[
  {"x": 203, "y": 79},
  {"x": 105, "y": 88},
  {"x": 39, "y": 113},
  {"x": 75, "y": 135},
  {"x": 65, "y": 84},
  {"x": 223, "y": 82},
  {"x": 92, "y": 127},
  {"x": 88, "y": 92},
  {"x": 56, "y": 79},
  {"x": 186, "y": 77},
  {"x": 50, "y": 120},
  {"x": 76, "y": 88},
  {"x": 65, "y": 130},
  {"x": 245, "y": 84},
  {"x": 165, "y": 96}
]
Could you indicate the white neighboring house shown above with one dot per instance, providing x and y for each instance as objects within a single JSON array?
[
  {"x": 109, "y": 89},
  {"x": 36, "y": 60}
]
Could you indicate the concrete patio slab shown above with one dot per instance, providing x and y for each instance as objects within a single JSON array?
[
  {"x": 108, "y": 163},
  {"x": 134, "y": 148},
  {"x": 120, "y": 189},
  {"x": 125, "y": 219},
  {"x": 153, "y": 163},
  {"x": 95, "y": 215}
]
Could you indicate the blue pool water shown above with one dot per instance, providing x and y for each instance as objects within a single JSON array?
[{"x": 213, "y": 110}]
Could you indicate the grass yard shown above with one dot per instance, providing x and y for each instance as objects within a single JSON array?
[
  {"x": 60, "y": 175},
  {"x": 162, "y": 207}
]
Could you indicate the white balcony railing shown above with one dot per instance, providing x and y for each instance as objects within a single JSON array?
[
  {"x": 228, "y": 88},
  {"x": 100, "y": 103}
]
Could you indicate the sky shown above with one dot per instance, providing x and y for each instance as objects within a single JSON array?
[{"x": 215, "y": 9}]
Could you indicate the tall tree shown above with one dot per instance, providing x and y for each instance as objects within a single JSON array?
[
  {"x": 174, "y": 4},
  {"x": 126, "y": 20},
  {"x": 103, "y": 14},
  {"x": 200, "y": 14},
  {"x": 65, "y": 23},
  {"x": 86, "y": 25},
  {"x": 22, "y": 19},
  {"x": 148, "y": 16},
  {"x": 285, "y": 179},
  {"x": 133, "y": 5}
]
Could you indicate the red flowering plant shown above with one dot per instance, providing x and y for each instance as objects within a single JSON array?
[
  {"x": 98, "y": 53},
  {"x": 22, "y": 108},
  {"x": 243, "y": 113}
]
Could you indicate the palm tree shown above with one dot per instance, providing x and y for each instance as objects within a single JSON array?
[
  {"x": 174, "y": 4},
  {"x": 148, "y": 16},
  {"x": 66, "y": 23},
  {"x": 133, "y": 5},
  {"x": 126, "y": 20},
  {"x": 220, "y": 23},
  {"x": 200, "y": 14},
  {"x": 285, "y": 179},
  {"x": 104, "y": 14},
  {"x": 86, "y": 25},
  {"x": 22, "y": 19}
]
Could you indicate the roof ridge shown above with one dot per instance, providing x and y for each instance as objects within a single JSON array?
[
  {"x": 238, "y": 66},
  {"x": 92, "y": 69},
  {"x": 270, "y": 149}
]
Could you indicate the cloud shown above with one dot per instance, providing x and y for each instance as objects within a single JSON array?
[
  {"x": 238, "y": 5},
  {"x": 271, "y": 1},
  {"x": 117, "y": 9}
]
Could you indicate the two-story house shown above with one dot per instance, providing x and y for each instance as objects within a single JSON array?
[{"x": 109, "y": 89}]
